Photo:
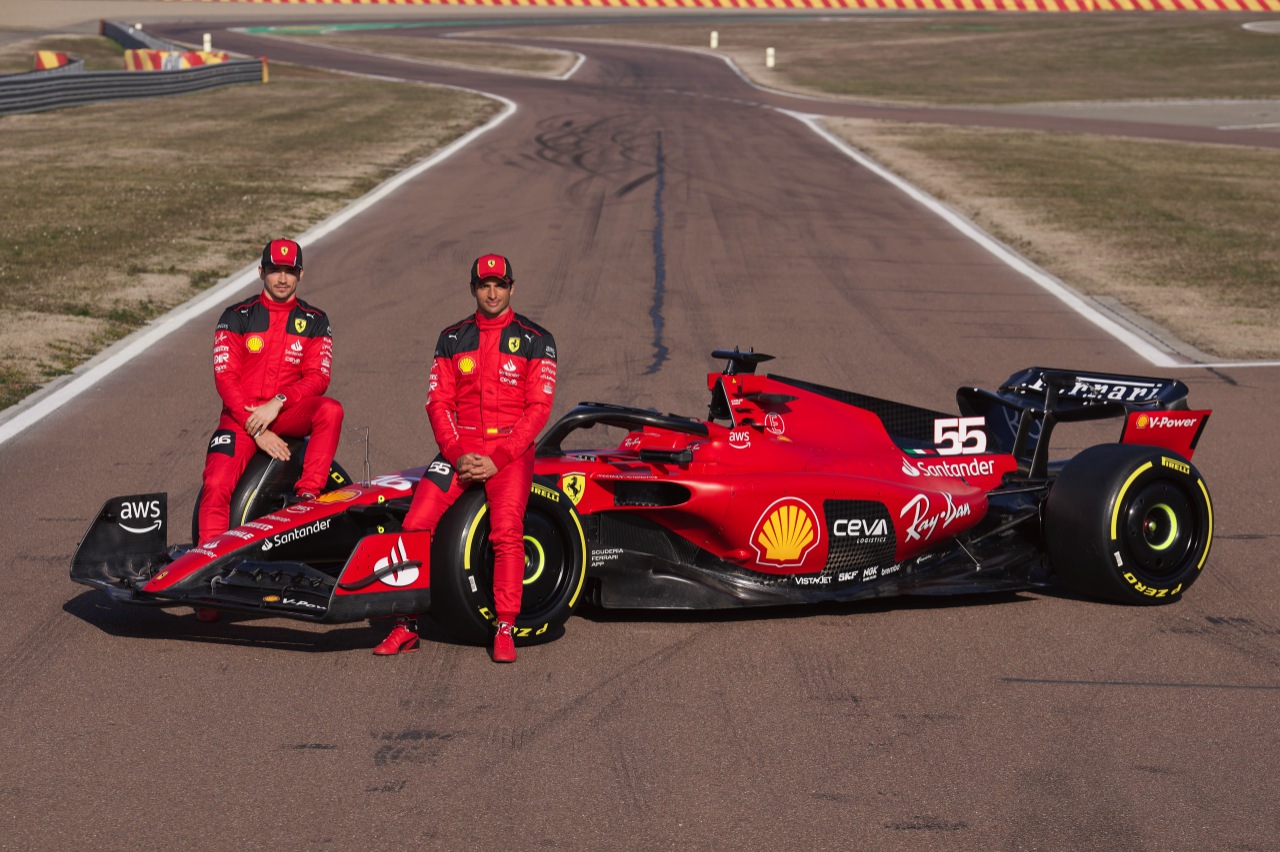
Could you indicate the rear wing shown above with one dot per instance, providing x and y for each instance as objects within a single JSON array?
[{"x": 1021, "y": 414}]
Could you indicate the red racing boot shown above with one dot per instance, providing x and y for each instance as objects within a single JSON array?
[
  {"x": 402, "y": 639},
  {"x": 504, "y": 644}
]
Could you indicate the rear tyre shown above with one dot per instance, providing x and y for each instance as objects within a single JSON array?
[
  {"x": 555, "y": 551},
  {"x": 265, "y": 485},
  {"x": 1130, "y": 524}
]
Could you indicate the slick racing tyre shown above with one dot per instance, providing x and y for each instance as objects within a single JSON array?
[
  {"x": 555, "y": 553},
  {"x": 265, "y": 485},
  {"x": 1130, "y": 524}
]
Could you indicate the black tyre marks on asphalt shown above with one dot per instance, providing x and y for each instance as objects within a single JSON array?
[{"x": 660, "y": 351}]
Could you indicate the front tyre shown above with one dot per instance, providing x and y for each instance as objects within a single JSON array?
[
  {"x": 266, "y": 484},
  {"x": 555, "y": 552},
  {"x": 1130, "y": 524}
]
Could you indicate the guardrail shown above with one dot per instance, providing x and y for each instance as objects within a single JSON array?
[
  {"x": 134, "y": 38},
  {"x": 38, "y": 91}
]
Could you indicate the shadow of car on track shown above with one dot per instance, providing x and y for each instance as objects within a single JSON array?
[
  {"x": 179, "y": 623},
  {"x": 596, "y": 614}
]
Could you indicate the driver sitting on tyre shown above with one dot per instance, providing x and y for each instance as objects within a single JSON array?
[
  {"x": 271, "y": 362},
  {"x": 491, "y": 388}
]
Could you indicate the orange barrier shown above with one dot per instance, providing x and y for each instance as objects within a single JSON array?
[
  {"x": 47, "y": 59},
  {"x": 170, "y": 60},
  {"x": 911, "y": 5}
]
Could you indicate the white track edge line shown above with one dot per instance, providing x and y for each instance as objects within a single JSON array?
[{"x": 57, "y": 394}]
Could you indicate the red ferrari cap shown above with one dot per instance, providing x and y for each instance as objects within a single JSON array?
[
  {"x": 282, "y": 253},
  {"x": 491, "y": 266}
]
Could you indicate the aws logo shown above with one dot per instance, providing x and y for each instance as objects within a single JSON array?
[
  {"x": 143, "y": 516},
  {"x": 786, "y": 532}
]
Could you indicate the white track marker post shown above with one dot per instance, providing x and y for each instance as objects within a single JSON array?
[
  {"x": 769, "y": 57},
  {"x": 715, "y": 39},
  {"x": 208, "y": 42}
]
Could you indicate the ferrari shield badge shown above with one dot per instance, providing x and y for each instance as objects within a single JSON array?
[
  {"x": 575, "y": 485},
  {"x": 513, "y": 344},
  {"x": 299, "y": 325}
]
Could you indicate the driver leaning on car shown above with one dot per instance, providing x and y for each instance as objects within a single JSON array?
[
  {"x": 271, "y": 361},
  {"x": 492, "y": 384}
]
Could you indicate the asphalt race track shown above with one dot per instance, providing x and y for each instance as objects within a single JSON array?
[{"x": 655, "y": 208}]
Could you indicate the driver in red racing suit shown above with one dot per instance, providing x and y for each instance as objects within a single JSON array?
[
  {"x": 492, "y": 385},
  {"x": 271, "y": 362}
]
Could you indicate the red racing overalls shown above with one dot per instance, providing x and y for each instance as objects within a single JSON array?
[
  {"x": 492, "y": 385},
  {"x": 262, "y": 348}
]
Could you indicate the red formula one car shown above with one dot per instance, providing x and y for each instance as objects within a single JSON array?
[{"x": 788, "y": 492}]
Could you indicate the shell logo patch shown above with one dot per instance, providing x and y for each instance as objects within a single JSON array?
[
  {"x": 337, "y": 496},
  {"x": 254, "y": 343},
  {"x": 786, "y": 532},
  {"x": 466, "y": 364},
  {"x": 1143, "y": 421}
]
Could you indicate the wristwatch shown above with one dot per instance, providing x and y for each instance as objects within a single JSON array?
[{"x": 282, "y": 397}]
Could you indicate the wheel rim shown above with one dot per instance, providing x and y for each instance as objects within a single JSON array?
[
  {"x": 548, "y": 566},
  {"x": 1159, "y": 532},
  {"x": 1160, "y": 527},
  {"x": 535, "y": 560}
]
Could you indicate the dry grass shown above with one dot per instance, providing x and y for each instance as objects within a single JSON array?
[
  {"x": 1183, "y": 234},
  {"x": 174, "y": 194}
]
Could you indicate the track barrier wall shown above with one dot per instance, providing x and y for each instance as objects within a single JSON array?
[
  {"x": 51, "y": 60},
  {"x": 181, "y": 71}
]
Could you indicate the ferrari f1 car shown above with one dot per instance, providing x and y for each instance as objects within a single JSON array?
[{"x": 787, "y": 492}]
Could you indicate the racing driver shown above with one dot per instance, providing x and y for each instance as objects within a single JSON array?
[
  {"x": 271, "y": 361},
  {"x": 492, "y": 384}
]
